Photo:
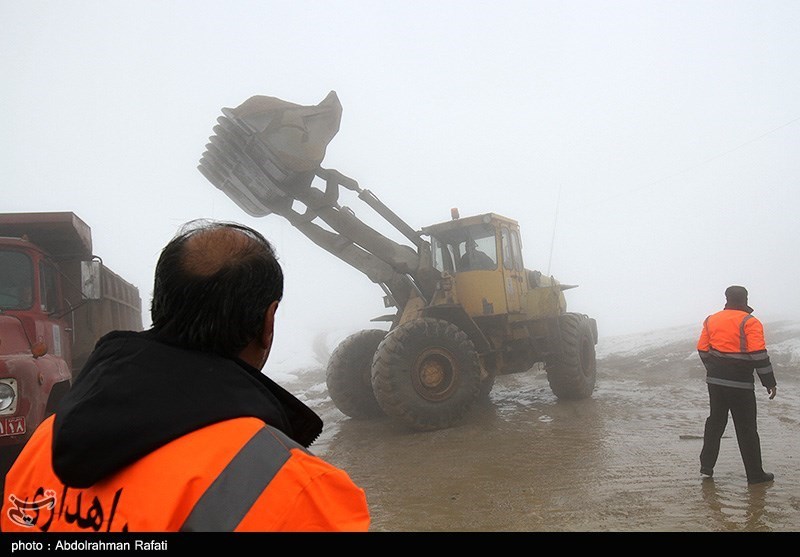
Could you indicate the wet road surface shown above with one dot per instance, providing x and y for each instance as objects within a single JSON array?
[{"x": 626, "y": 460}]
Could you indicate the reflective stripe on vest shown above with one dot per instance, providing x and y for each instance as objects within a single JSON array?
[
  {"x": 229, "y": 498},
  {"x": 742, "y": 336},
  {"x": 754, "y": 356}
]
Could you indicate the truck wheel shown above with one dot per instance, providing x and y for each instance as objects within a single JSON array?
[
  {"x": 572, "y": 373},
  {"x": 349, "y": 374},
  {"x": 426, "y": 374}
]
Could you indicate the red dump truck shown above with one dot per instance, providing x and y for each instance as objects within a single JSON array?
[{"x": 56, "y": 300}]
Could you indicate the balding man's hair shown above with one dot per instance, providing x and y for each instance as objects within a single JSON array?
[{"x": 213, "y": 284}]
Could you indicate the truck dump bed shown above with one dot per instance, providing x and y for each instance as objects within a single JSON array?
[{"x": 62, "y": 235}]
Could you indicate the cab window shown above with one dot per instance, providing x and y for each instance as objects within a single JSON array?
[
  {"x": 470, "y": 248},
  {"x": 16, "y": 280},
  {"x": 508, "y": 257},
  {"x": 516, "y": 248},
  {"x": 512, "y": 249},
  {"x": 48, "y": 288}
]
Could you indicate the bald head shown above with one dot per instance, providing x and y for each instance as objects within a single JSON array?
[
  {"x": 214, "y": 283},
  {"x": 208, "y": 251}
]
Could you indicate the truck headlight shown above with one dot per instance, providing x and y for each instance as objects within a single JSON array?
[{"x": 8, "y": 394}]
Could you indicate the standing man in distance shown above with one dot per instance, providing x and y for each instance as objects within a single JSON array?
[
  {"x": 731, "y": 347},
  {"x": 176, "y": 428}
]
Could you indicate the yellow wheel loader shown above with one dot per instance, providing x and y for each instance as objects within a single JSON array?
[{"x": 465, "y": 308}]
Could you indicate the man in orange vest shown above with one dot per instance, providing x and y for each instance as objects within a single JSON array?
[
  {"x": 176, "y": 428},
  {"x": 732, "y": 346}
]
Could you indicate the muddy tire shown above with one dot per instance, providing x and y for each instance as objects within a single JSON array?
[
  {"x": 573, "y": 372},
  {"x": 426, "y": 374},
  {"x": 349, "y": 376}
]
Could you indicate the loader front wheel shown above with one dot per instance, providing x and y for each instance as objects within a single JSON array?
[
  {"x": 349, "y": 374},
  {"x": 572, "y": 372},
  {"x": 426, "y": 374}
]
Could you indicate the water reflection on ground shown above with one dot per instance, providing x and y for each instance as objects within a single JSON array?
[{"x": 624, "y": 460}]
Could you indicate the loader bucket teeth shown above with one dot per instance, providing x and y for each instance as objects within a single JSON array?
[
  {"x": 262, "y": 153},
  {"x": 232, "y": 178},
  {"x": 237, "y": 175}
]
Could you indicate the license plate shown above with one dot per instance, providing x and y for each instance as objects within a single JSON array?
[{"x": 12, "y": 425}]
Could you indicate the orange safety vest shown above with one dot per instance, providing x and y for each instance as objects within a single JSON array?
[
  {"x": 731, "y": 346},
  {"x": 236, "y": 475},
  {"x": 732, "y": 333}
]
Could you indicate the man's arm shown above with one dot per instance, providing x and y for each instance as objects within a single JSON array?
[
  {"x": 757, "y": 348},
  {"x": 703, "y": 343}
]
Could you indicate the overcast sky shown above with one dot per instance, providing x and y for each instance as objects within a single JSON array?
[{"x": 648, "y": 149}]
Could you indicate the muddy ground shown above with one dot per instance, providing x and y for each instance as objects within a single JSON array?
[{"x": 625, "y": 460}]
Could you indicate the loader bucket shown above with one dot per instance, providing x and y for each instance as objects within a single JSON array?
[{"x": 266, "y": 151}]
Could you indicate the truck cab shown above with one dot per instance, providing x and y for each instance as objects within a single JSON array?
[
  {"x": 56, "y": 300},
  {"x": 35, "y": 340},
  {"x": 31, "y": 291}
]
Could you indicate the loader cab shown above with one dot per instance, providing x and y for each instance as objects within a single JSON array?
[{"x": 484, "y": 255}]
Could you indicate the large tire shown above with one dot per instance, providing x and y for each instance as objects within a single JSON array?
[
  {"x": 426, "y": 374},
  {"x": 573, "y": 372},
  {"x": 349, "y": 374}
]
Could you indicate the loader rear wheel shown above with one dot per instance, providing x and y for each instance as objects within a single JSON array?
[
  {"x": 572, "y": 374},
  {"x": 349, "y": 374},
  {"x": 426, "y": 374}
]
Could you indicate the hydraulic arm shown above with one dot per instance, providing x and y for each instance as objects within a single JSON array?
[{"x": 265, "y": 155}]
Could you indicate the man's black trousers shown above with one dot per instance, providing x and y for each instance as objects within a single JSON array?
[{"x": 741, "y": 403}]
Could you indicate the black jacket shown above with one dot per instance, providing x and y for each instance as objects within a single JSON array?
[{"x": 136, "y": 394}]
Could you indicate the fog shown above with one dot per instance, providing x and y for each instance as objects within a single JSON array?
[{"x": 648, "y": 149}]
